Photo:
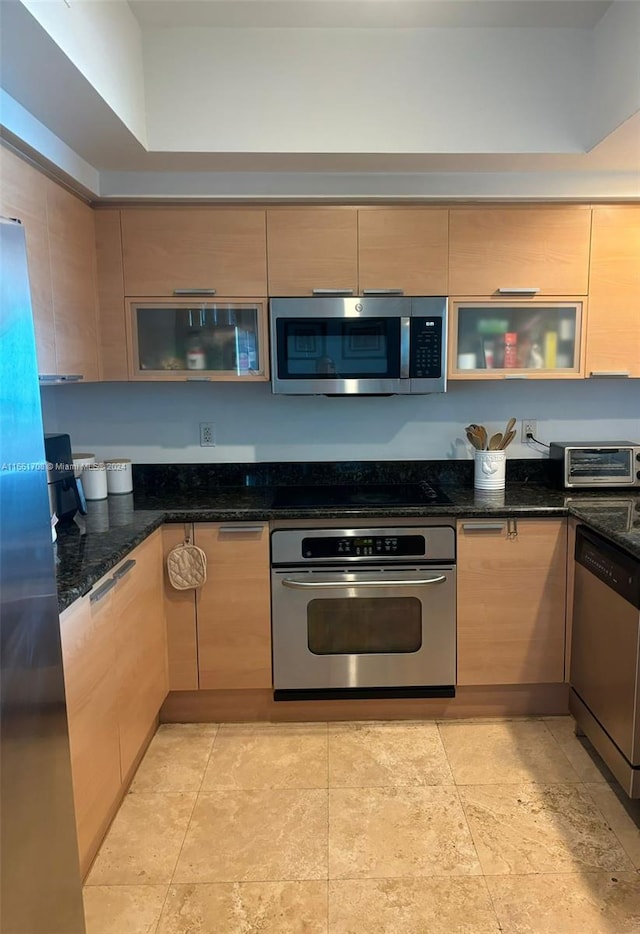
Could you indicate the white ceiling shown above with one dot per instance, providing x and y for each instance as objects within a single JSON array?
[
  {"x": 369, "y": 13},
  {"x": 42, "y": 79}
]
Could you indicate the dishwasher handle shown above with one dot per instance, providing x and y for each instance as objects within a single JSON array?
[{"x": 610, "y": 564}]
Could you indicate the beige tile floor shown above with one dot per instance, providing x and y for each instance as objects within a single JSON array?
[{"x": 472, "y": 827}]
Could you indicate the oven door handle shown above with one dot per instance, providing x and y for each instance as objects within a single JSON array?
[{"x": 294, "y": 584}]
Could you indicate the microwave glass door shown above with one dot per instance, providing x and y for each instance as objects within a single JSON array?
[
  {"x": 590, "y": 464},
  {"x": 346, "y": 348}
]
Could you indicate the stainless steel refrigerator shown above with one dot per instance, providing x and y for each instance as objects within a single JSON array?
[{"x": 40, "y": 878}]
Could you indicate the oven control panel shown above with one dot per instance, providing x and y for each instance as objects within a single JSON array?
[
  {"x": 364, "y": 546},
  {"x": 373, "y": 545}
]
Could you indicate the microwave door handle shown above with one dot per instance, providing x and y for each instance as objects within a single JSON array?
[
  {"x": 405, "y": 347},
  {"x": 294, "y": 584}
]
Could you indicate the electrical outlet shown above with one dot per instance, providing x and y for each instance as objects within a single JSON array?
[
  {"x": 529, "y": 427},
  {"x": 207, "y": 435}
]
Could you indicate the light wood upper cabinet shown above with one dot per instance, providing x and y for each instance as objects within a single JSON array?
[
  {"x": 312, "y": 248},
  {"x": 403, "y": 249},
  {"x": 357, "y": 250},
  {"x": 613, "y": 332},
  {"x": 141, "y": 646},
  {"x": 61, "y": 256},
  {"x": 23, "y": 195},
  {"x": 91, "y": 686},
  {"x": 113, "y": 338},
  {"x": 73, "y": 279},
  {"x": 543, "y": 248},
  {"x": 511, "y": 601},
  {"x": 233, "y": 606},
  {"x": 202, "y": 248}
]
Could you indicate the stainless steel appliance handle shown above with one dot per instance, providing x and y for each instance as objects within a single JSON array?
[
  {"x": 194, "y": 291},
  {"x": 294, "y": 584},
  {"x": 124, "y": 569},
  {"x": 533, "y": 291},
  {"x": 383, "y": 291},
  {"x": 333, "y": 291},
  {"x": 607, "y": 374},
  {"x": 405, "y": 340},
  {"x": 102, "y": 591}
]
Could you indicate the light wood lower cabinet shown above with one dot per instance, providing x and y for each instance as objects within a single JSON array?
[
  {"x": 115, "y": 670},
  {"x": 180, "y": 614},
  {"x": 233, "y": 607},
  {"x": 511, "y": 601},
  {"x": 141, "y": 646},
  {"x": 91, "y": 683}
]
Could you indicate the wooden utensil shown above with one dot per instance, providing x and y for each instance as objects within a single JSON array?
[
  {"x": 510, "y": 424},
  {"x": 471, "y": 437},
  {"x": 482, "y": 432},
  {"x": 495, "y": 441},
  {"x": 474, "y": 433},
  {"x": 507, "y": 440}
]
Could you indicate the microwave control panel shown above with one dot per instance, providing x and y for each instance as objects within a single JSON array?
[{"x": 426, "y": 348}]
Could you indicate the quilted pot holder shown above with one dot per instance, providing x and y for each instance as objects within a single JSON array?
[{"x": 187, "y": 566}]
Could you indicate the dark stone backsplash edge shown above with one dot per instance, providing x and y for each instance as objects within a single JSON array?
[{"x": 154, "y": 479}]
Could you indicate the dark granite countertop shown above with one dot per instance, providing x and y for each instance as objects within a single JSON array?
[
  {"x": 86, "y": 551},
  {"x": 115, "y": 526}
]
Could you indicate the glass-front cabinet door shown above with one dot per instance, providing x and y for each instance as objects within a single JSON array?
[
  {"x": 516, "y": 339},
  {"x": 182, "y": 340}
]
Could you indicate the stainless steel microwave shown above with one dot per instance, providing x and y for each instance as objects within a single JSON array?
[
  {"x": 358, "y": 346},
  {"x": 591, "y": 464}
]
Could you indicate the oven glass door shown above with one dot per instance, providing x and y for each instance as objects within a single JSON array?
[
  {"x": 379, "y": 627},
  {"x": 367, "y": 625}
]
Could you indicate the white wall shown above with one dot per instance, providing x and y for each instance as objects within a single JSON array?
[
  {"x": 103, "y": 40},
  {"x": 367, "y": 90},
  {"x": 159, "y": 423},
  {"x": 35, "y": 134},
  {"x": 615, "y": 72}
]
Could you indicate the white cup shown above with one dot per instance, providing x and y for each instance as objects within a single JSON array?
[
  {"x": 489, "y": 470},
  {"x": 119, "y": 475},
  {"x": 467, "y": 361},
  {"x": 94, "y": 481},
  {"x": 80, "y": 461}
]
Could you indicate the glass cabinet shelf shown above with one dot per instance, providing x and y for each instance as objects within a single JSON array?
[
  {"x": 527, "y": 339},
  {"x": 216, "y": 340}
]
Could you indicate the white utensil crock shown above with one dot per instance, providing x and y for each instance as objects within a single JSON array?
[{"x": 489, "y": 470}]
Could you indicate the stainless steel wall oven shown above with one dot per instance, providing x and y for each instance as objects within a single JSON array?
[{"x": 364, "y": 612}]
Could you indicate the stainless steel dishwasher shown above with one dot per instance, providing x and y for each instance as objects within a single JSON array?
[{"x": 605, "y": 654}]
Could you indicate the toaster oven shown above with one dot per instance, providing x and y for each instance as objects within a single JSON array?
[{"x": 596, "y": 465}]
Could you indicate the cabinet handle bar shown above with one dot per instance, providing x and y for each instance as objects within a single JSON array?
[
  {"x": 383, "y": 291},
  {"x": 518, "y": 291},
  {"x": 333, "y": 291},
  {"x": 102, "y": 591},
  {"x": 236, "y": 529},
  {"x": 609, "y": 374},
  {"x": 483, "y": 526},
  {"x": 61, "y": 378},
  {"x": 194, "y": 291},
  {"x": 124, "y": 569}
]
